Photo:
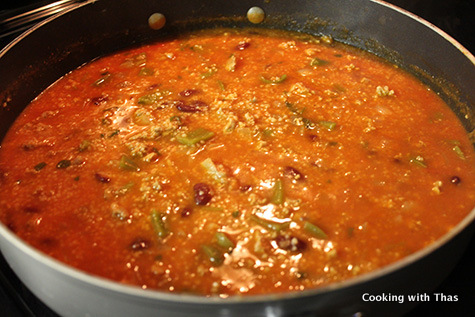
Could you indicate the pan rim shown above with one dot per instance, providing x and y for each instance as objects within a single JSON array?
[{"x": 119, "y": 288}]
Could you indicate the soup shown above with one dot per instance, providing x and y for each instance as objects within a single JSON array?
[{"x": 235, "y": 162}]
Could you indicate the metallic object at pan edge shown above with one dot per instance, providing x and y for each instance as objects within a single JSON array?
[{"x": 95, "y": 28}]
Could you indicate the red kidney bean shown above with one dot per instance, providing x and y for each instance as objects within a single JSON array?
[
  {"x": 139, "y": 244},
  {"x": 99, "y": 100},
  {"x": 102, "y": 178},
  {"x": 202, "y": 194},
  {"x": 245, "y": 188},
  {"x": 186, "y": 212},
  {"x": 455, "y": 180},
  {"x": 290, "y": 243},
  {"x": 186, "y": 108},
  {"x": 188, "y": 92},
  {"x": 293, "y": 173},
  {"x": 193, "y": 106},
  {"x": 313, "y": 137},
  {"x": 153, "y": 87},
  {"x": 242, "y": 46}
]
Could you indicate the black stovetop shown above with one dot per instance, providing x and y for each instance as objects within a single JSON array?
[{"x": 455, "y": 18}]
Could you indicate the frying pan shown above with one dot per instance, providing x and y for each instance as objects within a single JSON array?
[{"x": 95, "y": 28}]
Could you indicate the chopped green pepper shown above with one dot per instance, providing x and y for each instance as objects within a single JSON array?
[
  {"x": 308, "y": 124},
  {"x": 195, "y": 136},
  {"x": 145, "y": 71},
  {"x": 318, "y": 62},
  {"x": 38, "y": 167},
  {"x": 339, "y": 88},
  {"x": 126, "y": 163},
  {"x": 314, "y": 230},
  {"x": 158, "y": 224},
  {"x": 269, "y": 224},
  {"x": 267, "y": 132},
  {"x": 176, "y": 119},
  {"x": 139, "y": 59},
  {"x": 152, "y": 98},
  {"x": 294, "y": 109},
  {"x": 276, "y": 81},
  {"x": 329, "y": 125},
  {"x": 278, "y": 193},
  {"x": 223, "y": 241},
  {"x": 418, "y": 161},
  {"x": 458, "y": 151},
  {"x": 208, "y": 73},
  {"x": 105, "y": 77},
  {"x": 114, "y": 133},
  {"x": 197, "y": 48},
  {"x": 221, "y": 85},
  {"x": 214, "y": 255},
  {"x": 124, "y": 189},
  {"x": 63, "y": 164}
]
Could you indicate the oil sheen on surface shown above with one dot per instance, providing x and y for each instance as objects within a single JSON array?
[{"x": 235, "y": 163}]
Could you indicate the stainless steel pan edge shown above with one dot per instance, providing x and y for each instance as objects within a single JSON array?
[{"x": 99, "y": 28}]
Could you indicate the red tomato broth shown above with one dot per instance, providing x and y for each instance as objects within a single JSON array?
[{"x": 361, "y": 149}]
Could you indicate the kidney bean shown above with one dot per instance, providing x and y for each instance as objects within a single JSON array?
[
  {"x": 290, "y": 243},
  {"x": 102, "y": 178},
  {"x": 153, "y": 87},
  {"x": 245, "y": 188},
  {"x": 193, "y": 106},
  {"x": 186, "y": 108},
  {"x": 242, "y": 46},
  {"x": 99, "y": 100},
  {"x": 186, "y": 212},
  {"x": 202, "y": 193},
  {"x": 313, "y": 137},
  {"x": 140, "y": 244},
  {"x": 455, "y": 180},
  {"x": 293, "y": 173},
  {"x": 188, "y": 92},
  {"x": 38, "y": 167}
]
